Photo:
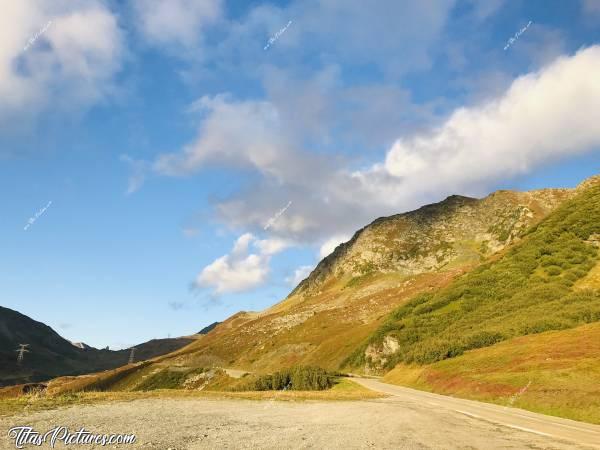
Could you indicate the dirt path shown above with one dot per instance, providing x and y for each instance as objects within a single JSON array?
[
  {"x": 390, "y": 423},
  {"x": 234, "y": 373}
]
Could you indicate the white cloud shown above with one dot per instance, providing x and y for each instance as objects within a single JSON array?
[
  {"x": 299, "y": 274},
  {"x": 240, "y": 270},
  {"x": 542, "y": 117},
  {"x": 179, "y": 22},
  {"x": 272, "y": 246},
  {"x": 71, "y": 64},
  {"x": 242, "y": 134}
]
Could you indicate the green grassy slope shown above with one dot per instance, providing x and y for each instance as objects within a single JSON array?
[
  {"x": 529, "y": 289},
  {"x": 556, "y": 372}
]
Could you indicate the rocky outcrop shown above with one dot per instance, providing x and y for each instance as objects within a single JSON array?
[{"x": 457, "y": 230}]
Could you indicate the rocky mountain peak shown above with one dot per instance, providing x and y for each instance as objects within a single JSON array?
[{"x": 456, "y": 231}]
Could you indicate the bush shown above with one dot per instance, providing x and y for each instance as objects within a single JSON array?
[
  {"x": 553, "y": 270},
  {"x": 299, "y": 378},
  {"x": 483, "y": 339}
]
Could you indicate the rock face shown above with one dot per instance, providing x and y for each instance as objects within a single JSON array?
[
  {"x": 457, "y": 230},
  {"x": 379, "y": 354}
]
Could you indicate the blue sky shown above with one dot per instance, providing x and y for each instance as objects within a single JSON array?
[{"x": 166, "y": 138}]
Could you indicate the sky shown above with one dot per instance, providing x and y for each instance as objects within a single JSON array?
[{"x": 165, "y": 164}]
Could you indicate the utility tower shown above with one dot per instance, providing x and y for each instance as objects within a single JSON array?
[
  {"x": 21, "y": 352},
  {"x": 131, "y": 355}
]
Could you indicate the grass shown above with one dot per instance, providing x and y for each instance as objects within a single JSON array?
[
  {"x": 343, "y": 390},
  {"x": 555, "y": 373},
  {"x": 532, "y": 288}
]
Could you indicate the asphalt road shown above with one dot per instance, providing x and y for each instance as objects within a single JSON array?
[{"x": 549, "y": 426}]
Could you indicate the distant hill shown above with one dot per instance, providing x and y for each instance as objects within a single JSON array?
[
  {"x": 82, "y": 345},
  {"x": 208, "y": 328},
  {"x": 49, "y": 355}
]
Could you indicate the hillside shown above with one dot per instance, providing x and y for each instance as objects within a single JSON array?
[
  {"x": 459, "y": 231},
  {"x": 50, "y": 355},
  {"x": 540, "y": 284},
  {"x": 350, "y": 294},
  {"x": 352, "y": 290},
  {"x": 555, "y": 372}
]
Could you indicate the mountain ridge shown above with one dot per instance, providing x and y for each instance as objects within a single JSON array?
[
  {"x": 50, "y": 355},
  {"x": 544, "y": 199},
  {"x": 351, "y": 292}
]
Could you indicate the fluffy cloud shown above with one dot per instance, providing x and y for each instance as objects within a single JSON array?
[
  {"x": 175, "y": 22},
  {"x": 542, "y": 117},
  {"x": 243, "y": 134},
  {"x": 71, "y": 63},
  {"x": 240, "y": 270}
]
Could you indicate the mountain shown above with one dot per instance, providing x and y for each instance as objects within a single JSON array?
[
  {"x": 49, "y": 355},
  {"x": 546, "y": 282},
  {"x": 459, "y": 231},
  {"x": 474, "y": 297},
  {"x": 350, "y": 292},
  {"x": 81, "y": 345},
  {"x": 332, "y": 314}
]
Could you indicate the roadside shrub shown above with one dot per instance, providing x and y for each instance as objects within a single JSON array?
[
  {"x": 436, "y": 351},
  {"x": 298, "y": 378},
  {"x": 483, "y": 339},
  {"x": 544, "y": 325}
]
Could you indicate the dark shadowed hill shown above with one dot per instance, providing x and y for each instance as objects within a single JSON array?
[
  {"x": 208, "y": 328},
  {"x": 50, "y": 355}
]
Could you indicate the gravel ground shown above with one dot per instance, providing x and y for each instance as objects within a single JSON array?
[{"x": 179, "y": 424}]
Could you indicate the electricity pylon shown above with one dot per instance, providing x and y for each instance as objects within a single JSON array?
[
  {"x": 21, "y": 352},
  {"x": 131, "y": 355}
]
